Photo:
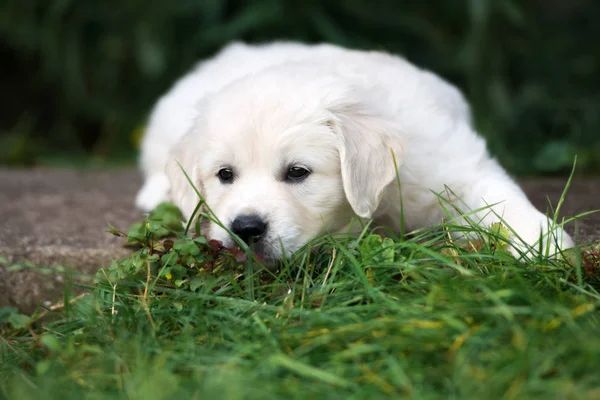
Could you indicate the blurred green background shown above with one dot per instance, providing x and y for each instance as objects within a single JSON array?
[{"x": 78, "y": 77}]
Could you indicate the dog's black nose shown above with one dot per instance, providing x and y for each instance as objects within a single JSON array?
[{"x": 250, "y": 228}]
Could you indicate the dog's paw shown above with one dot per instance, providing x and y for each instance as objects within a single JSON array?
[
  {"x": 154, "y": 191},
  {"x": 541, "y": 240}
]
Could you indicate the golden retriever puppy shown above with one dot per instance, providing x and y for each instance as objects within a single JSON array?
[{"x": 287, "y": 141}]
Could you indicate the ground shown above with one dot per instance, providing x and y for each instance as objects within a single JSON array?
[{"x": 60, "y": 217}]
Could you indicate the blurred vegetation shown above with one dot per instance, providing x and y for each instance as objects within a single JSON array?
[{"x": 79, "y": 76}]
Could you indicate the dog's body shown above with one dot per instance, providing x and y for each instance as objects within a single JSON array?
[{"x": 287, "y": 141}]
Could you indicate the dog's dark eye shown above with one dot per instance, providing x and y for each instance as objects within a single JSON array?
[
  {"x": 295, "y": 174},
  {"x": 225, "y": 175}
]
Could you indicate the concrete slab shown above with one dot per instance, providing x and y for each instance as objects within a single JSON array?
[
  {"x": 55, "y": 218},
  {"x": 60, "y": 218}
]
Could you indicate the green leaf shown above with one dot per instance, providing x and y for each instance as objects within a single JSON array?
[
  {"x": 196, "y": 283},
  {"x": 168, "y": 259},
  {"x": 6, "y": 311},
  {"x": 188, "y": 248},
  {"x": 369, "y": 275},
  {"x": 375, "y": 250},
  {"x": 179, "y": 282},
  {"x": 114, "y": 230},
  {"x": 153, "y": 226},
  {"x": 370, "y": 245},
  {"x": 137, "y": 232},
  {"x": 42, "y": 367},
  {"x": 19, "y": 320},
  {"x": 500, "y": 235},
  {"x": 201, "y": 240},
  {"x": 178, "y": 271},
  {"x": 51, "y": 342},
  {"x": 169, "y": 216}
]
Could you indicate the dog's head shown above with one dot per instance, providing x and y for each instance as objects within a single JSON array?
[{"x": 280, "y": 161}]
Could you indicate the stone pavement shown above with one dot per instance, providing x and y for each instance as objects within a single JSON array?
[{"x": 60, "y": 217}]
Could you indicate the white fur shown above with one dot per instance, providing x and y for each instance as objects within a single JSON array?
[{"x": 342, "y": 114}]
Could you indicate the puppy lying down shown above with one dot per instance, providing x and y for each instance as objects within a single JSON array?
[{"x": 287, "y": 141}]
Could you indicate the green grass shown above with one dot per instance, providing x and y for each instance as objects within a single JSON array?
[{"x": 351, "y": 318}]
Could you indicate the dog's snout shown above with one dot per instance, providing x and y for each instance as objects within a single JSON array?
[{"x": 250, "y": 228}]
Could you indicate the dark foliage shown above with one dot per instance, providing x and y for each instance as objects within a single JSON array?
[{"x": 78, "y": 76}]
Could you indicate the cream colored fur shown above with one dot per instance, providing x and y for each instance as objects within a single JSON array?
[{"x": 341, "y": 114}]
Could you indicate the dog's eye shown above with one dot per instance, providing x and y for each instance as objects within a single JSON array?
[
  {"x": 295, "y": 174},
  {"x": 225, "y": 175}
]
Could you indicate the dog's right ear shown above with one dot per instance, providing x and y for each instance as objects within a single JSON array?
[{"x": 182, "y": 193}]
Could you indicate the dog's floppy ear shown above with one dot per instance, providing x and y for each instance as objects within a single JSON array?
[
  {"x": 182, "y": 193},
  {"x": 368, "y": 146}
]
